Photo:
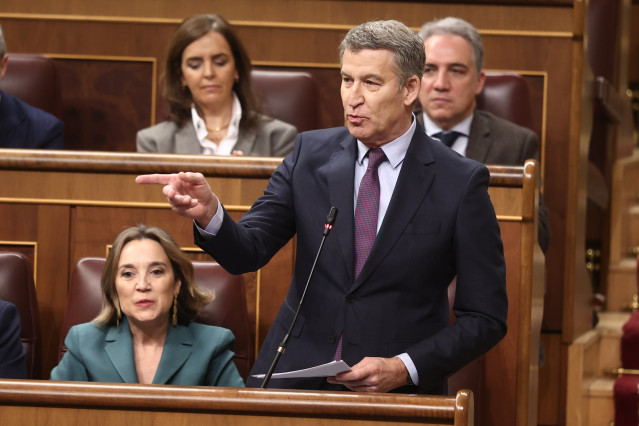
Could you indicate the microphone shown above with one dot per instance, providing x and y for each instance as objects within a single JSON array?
[{"x": 328, "y": 225}]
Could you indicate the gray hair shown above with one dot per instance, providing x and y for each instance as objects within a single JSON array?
[
  {"x": 3, "y": 44},
  {"x": 458, "y": 27},
  {"x": 407, "y": 47}
]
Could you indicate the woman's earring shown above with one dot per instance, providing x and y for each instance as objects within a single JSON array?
[{"x": 175, "y": 310}]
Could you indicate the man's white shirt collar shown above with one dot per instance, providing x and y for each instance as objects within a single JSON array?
[
  {"x": 395, "y": 150},
  {"x": 462, "y": 127}
]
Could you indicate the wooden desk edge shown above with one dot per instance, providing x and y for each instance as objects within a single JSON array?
[
  {"x": 248, "y": 400},
  {"x": 210, "y": 166}
]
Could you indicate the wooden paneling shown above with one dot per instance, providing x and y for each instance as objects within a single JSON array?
[
  {"x": 514, "y": 400},
  {"x": 333, "y": 13},
  {"x": 105, "y": 101},
  {"x": 550, "y": 373}
]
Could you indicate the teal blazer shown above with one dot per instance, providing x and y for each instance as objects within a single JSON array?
[{"x": 193, "y": 355}]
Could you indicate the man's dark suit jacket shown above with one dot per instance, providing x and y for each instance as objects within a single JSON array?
[
  {"x": 27, "y": 127},
  {"x": 12, "y": 363},
  {"x": 493, "y": 140},
  {"x": 440, "y": 223}
]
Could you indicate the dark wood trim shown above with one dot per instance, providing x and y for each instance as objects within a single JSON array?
[{"x": 210, "y": 166}]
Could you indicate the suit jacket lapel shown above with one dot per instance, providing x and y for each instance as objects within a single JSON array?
[
  {"x": 341, "y": 175},
  {"x": 245, "y": 141},
  {"x": 177, "y": 349},
  {"x": 412, "y": 185},
  {"x": 119, "y": 348},
  {"x": 186, "y": 141},
  {"x": 479, "y": 140}
]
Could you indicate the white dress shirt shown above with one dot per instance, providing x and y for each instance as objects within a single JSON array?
[
  {"x": 225, "y": 146},
  {"x": 461, "y": 144}
]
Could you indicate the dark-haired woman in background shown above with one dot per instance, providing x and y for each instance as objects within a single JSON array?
[
  {"x": 207, "y": 84},
  {"x": 145, "y": 333}
]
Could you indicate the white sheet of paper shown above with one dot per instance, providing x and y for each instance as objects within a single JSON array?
[{"x": 325, "y": 370}]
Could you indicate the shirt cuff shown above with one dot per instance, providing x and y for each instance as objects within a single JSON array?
[
  {"x": 410, "y": 366},
  {"x": 214, "y": 225}
]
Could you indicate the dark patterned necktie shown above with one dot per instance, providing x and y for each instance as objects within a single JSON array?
[
  {"x": 365, "y": 217},
  {"x": 366, "y": 209},
  {"x": 447, "y": 138}
]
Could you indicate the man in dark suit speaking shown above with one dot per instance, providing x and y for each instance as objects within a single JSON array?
[
  {"x": 22, "y": 125},
  {"x": 412, "y": 215}
]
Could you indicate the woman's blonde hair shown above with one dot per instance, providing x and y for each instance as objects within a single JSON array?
[{"x": 190, "y": 299}]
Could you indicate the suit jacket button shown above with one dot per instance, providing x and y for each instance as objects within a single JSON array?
[
  {"x": 331, "y": 339},
  {"x": 352, "y": 299}
]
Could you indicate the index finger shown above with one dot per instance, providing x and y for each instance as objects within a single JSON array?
[{"x": 162, "y": 179}]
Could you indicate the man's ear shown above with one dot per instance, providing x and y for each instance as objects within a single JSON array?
[
  {"x": 3, "y": 65},
  {"x": 481, "y": 79},
  {"x": 411, "y": 89}
]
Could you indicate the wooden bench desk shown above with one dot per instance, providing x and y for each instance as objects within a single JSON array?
[{"x": 74, "y": 403}]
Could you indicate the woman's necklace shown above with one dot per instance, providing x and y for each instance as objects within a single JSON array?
[
  {"x": 217, "y": 134},
  {"x": 219, "y": 129}
]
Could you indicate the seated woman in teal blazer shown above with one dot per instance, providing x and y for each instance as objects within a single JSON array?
[{"x": 145, "y": 332}]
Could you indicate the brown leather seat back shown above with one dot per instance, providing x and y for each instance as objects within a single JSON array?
[
  {"x": 84, "y": 300},
  {"x": 290, "y": 96},
  {"x": 506, "y": 95},
  {"x": 228, "y": 310},
  {"x": 34, "y": 80},
  {"x": 17, "y": 287}
]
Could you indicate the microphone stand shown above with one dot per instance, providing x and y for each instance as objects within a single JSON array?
[{"x": 328, "y": 225}]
